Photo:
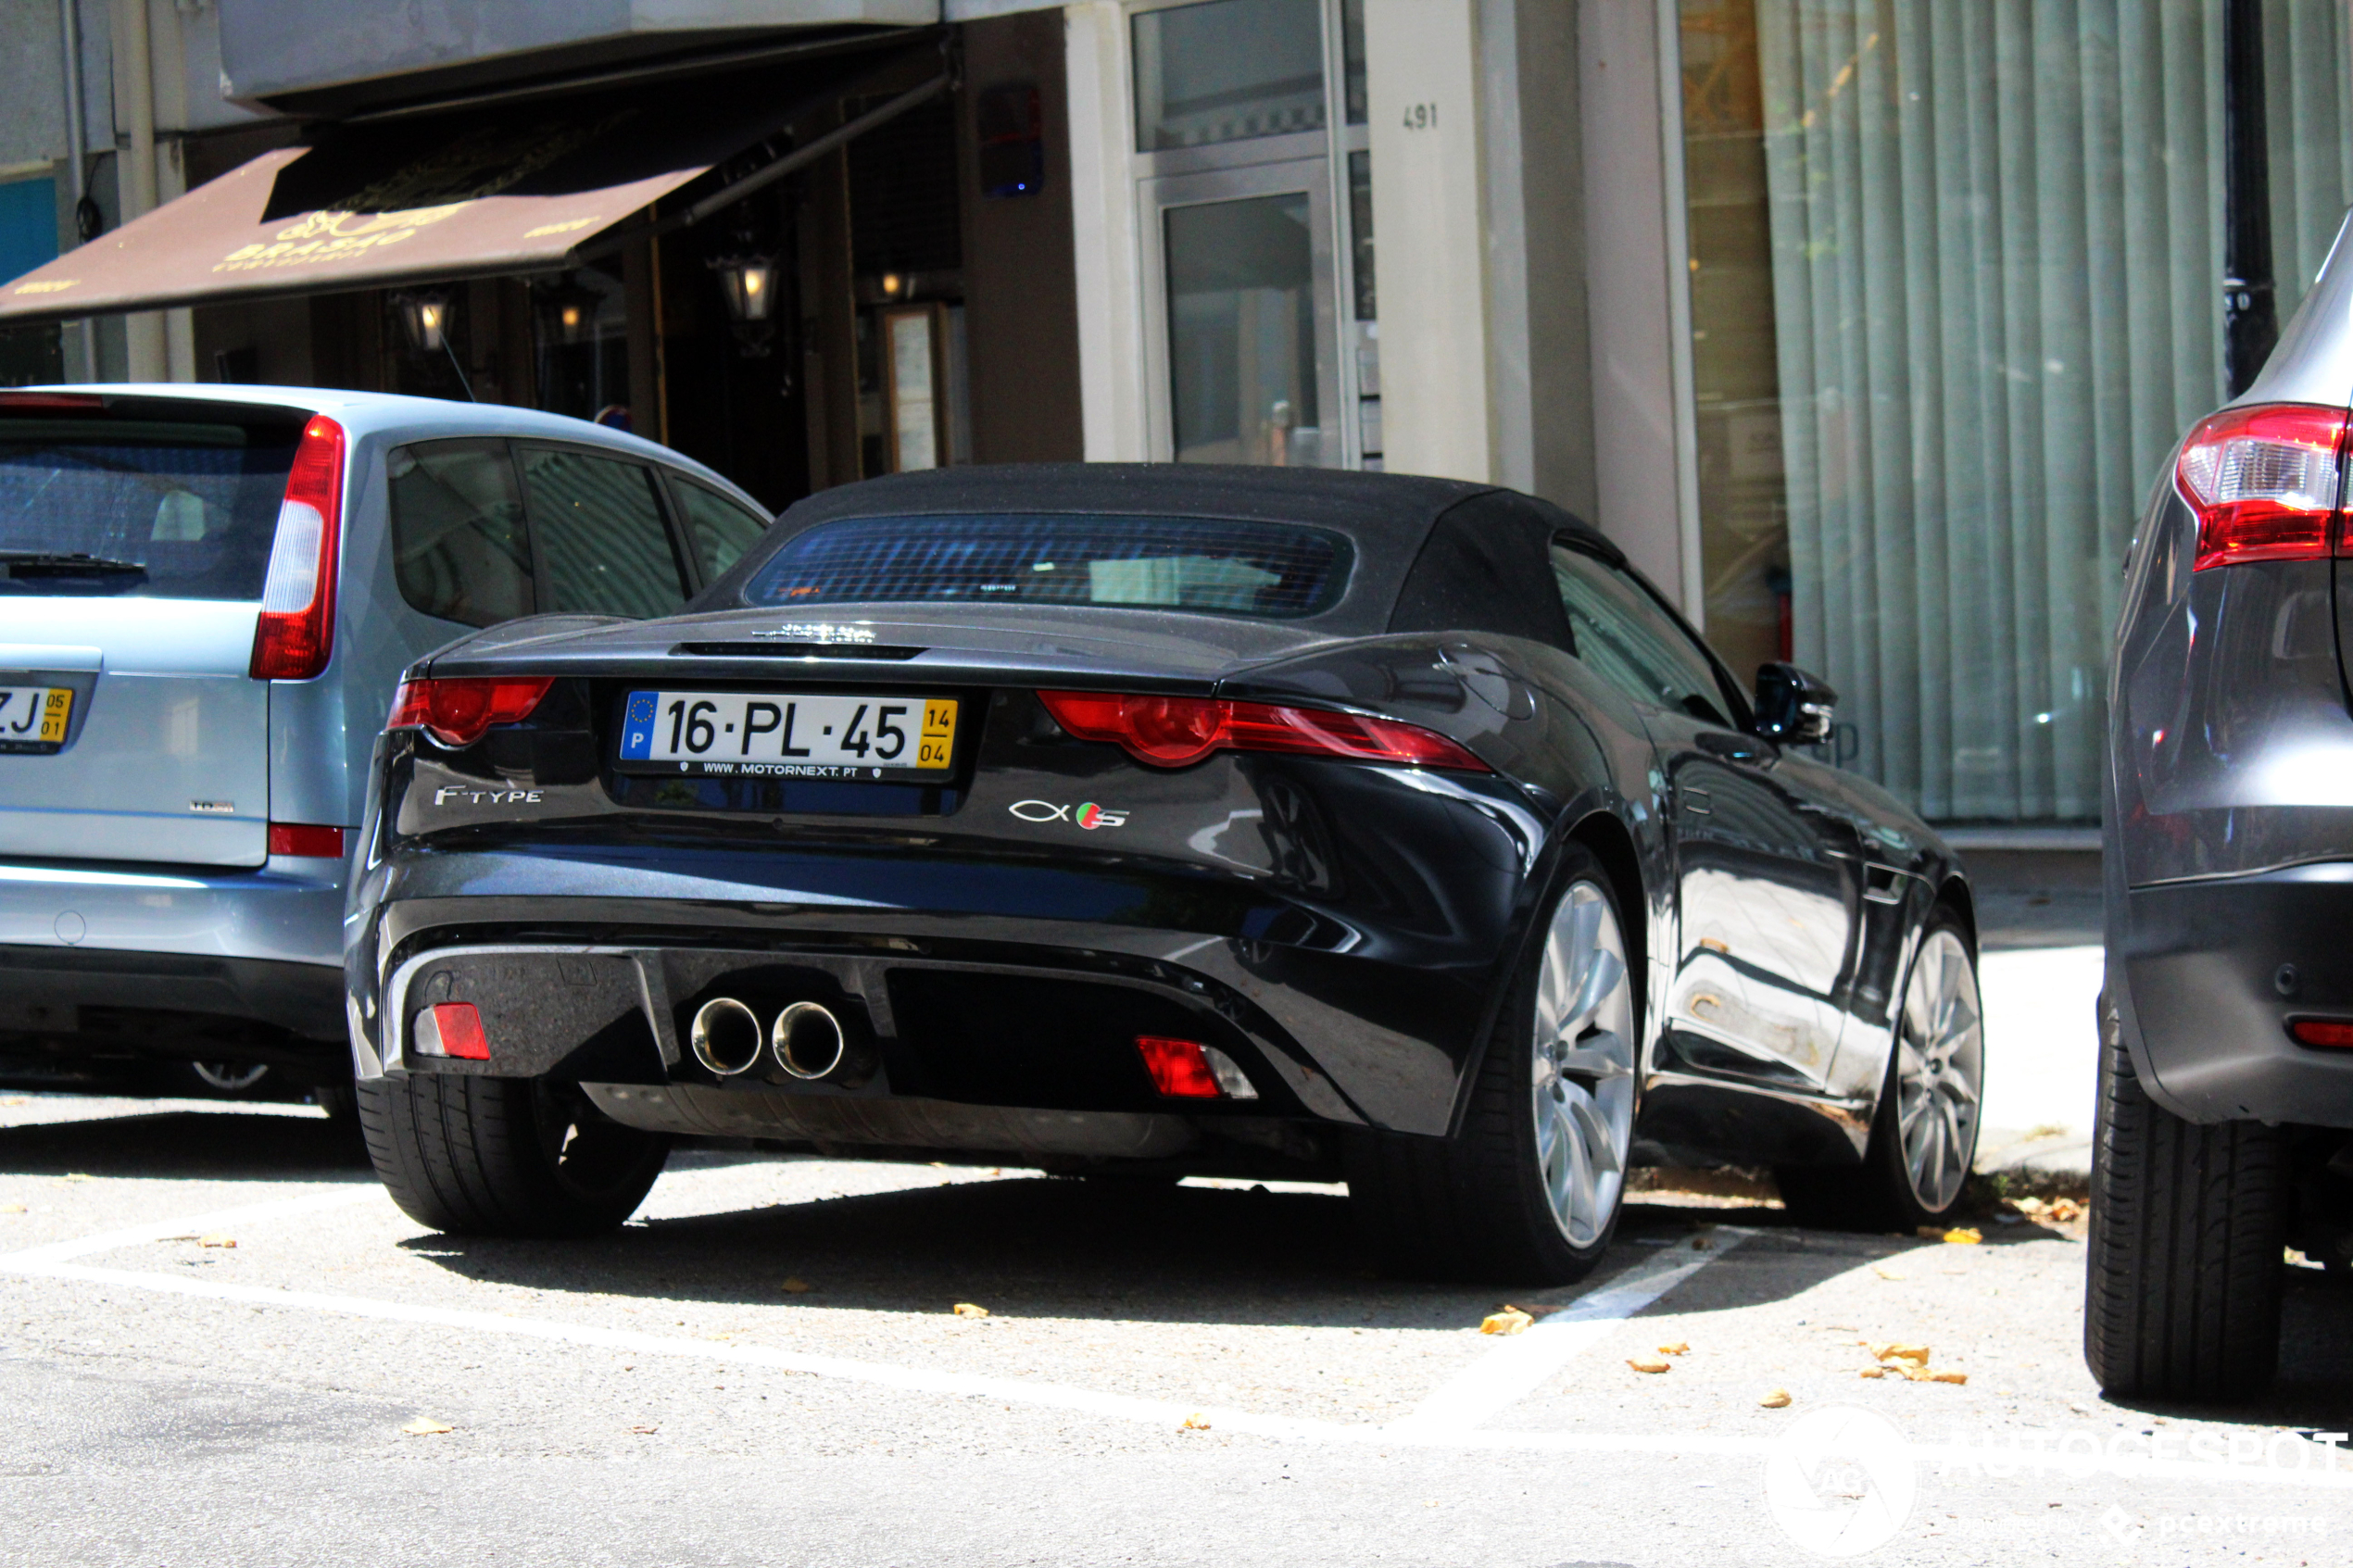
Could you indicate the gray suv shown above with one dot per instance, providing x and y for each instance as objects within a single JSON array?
[
  {"x": 207, "y": 596},
  {"x": 2225, "y": 1128}
]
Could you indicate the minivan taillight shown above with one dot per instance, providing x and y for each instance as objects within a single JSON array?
[
  {"x": 296, "y": 631},
  {"x": 2264, "y": 482},
  {"x": 460, "y": 710}
]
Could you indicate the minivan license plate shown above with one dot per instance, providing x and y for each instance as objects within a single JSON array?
[
  {"x": 795, "y": 736},
  {"x": 34, "y": 717}
]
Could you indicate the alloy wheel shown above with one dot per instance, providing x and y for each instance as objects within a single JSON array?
[
  {"x": 1583, "y": 1062},
  {"x": 1939, "y": 1070}
]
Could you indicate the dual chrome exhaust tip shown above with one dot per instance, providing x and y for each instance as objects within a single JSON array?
[{"x": 806, "y": 1039}]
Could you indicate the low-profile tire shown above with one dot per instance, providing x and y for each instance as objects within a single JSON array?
[
  {"x": 478, "y": 1155},
  {"x": 1527, "y": 1191},
  {"x": 2182, "y": 1294},
  {"x": 1924, "y": 1129}
]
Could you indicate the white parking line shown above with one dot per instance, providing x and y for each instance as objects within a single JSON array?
[
  {"x": 1601, "y": 1308},
  {"x": 1521, "y": 1364},
  {"x": 36, "y": 1259}
]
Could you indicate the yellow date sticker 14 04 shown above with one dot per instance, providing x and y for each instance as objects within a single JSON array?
[{"x": 938, "y": 743}]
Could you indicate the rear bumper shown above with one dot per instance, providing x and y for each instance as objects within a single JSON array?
[
  {"x": 1027, "y": 991},
  {"x": 261, "y": 947},
  {"x": 2214, "y": 969}
]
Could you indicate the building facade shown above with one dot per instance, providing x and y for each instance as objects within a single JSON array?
[{"x": 1863, "y": 325}]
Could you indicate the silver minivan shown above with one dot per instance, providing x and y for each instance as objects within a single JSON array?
[{"x": 207, "y": 596}]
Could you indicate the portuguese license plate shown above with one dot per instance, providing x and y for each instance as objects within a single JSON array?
[
  {"x": 34, "y": 717},
  {"x": 794, "y": 736}
]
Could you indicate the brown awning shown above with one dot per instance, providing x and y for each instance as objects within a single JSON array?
[{"x": 411, "y": 200}]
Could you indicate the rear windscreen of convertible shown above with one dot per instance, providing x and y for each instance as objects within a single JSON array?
[{"x": 1212, "y": 564}]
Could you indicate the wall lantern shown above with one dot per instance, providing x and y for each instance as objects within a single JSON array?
[
  {"x": 426, "y": 318},
  {"x": 750, "y": 285}
]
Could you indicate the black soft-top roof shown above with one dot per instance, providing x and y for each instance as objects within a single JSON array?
[{"x": 1389, "y": 517}]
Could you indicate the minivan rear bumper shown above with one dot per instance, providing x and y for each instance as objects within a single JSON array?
[
  {"x": 262, "y": 947},
  {"x": 2216, "y": 969}
]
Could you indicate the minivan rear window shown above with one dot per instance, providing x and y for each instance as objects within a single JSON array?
[
  {"x": 1216, "y": 564},
  {"x": 179, "y": 509}
]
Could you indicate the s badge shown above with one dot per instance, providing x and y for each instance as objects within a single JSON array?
[{"x": 1087, "y": 814}]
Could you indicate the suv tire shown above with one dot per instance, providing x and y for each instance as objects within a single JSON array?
[
  {"x": 1529, "y": 1189},
  {"x": 2188, "y": 1223},
  {"x": 521, "y": 1156}
]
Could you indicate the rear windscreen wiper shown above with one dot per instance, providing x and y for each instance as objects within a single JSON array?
[{"x": 46, "y": 563}]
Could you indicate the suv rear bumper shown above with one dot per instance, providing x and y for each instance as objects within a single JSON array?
[
  {"x": 258, "y": 946},
  {"x": 2213, "y": 971}
]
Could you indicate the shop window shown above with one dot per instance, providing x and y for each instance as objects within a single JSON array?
[
  {"x": 1227, "y": 71},
  {"x": 719, "y": 529},
  {"x": 458, "y": 549},
  {"x": 601, "y": 534},
  {"x": 1241, "y": 329},
  {"x": 1955, "y": 284}
]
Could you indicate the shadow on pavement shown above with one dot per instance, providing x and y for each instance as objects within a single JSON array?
[
  {"x": 223, "y": 1146},
  {"x": 1046, "y": 1248}
]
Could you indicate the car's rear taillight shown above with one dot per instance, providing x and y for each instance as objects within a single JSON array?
[
  {"x": 2265, "y": 481},
  {"x": 296, "y": 631},
  {"x": 1188, "y": 1070},
  {"x": 459, "y": 712},
  {"x": 1174, "y": 732}
]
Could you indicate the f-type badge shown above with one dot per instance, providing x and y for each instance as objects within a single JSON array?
[{"x": 1087, "y": 814}]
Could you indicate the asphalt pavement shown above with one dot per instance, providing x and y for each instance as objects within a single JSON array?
[{"x": 768, "y": 1366}]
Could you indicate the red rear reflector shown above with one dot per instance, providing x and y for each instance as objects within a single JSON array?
[
  {"x": 298, "y": 838},
  {"x": 2322, "y": 1032},
  {"x": 2264, "y": 482},
  {"x": 452, "y": 1029},
  {"x": 296, "y": 631},
  {"x": 461, "y": 711},
  {"x": 1179, "y": 1068},
  {"x": 1173, "y": 732}
]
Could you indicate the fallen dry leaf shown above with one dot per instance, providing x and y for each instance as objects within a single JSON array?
[
  {"x": 2065, "y": 1208},
  {"x": 1776, "y": 1400},
  {"x": 425, "y": 1426},
  {"x": 1680, "y": 1348},
  {"x": 17, "y": 1099},
  {"x": 1194, "y": 1423},
  {"x": 1644, "y": 1364},
  {"x": 1508, "y": 1321},
  {"x": 1872, "y": 1372},
  {"x": 648, "y": 1431},
  {"x": 1912, "y": 1373},
  {"x": 217, "y": 1239},
  {"x": 14, "y": 1209},
  {"x": 1964, "y": 1235},
  {"x": 1948, "y": 1377},
  {"x": 796, "y": 1284},
  {"x": 1895, "y": 1351},
  {"x": 966, "y": 1310},
  {"x": 78, "y": 1176},
  {"x": 1887, "y": 1274},
  {"x": 1539, "y": 1314},
  {"x": 1701, "y": 1244}
]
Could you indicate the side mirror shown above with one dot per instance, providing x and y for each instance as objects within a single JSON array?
[{"x": 1792, "y": 707}]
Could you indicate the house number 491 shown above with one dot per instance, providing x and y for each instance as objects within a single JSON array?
[{"x": 1421, "y": 117}]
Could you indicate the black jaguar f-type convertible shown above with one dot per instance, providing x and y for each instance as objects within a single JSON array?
[{"x": 1153, "y": 822}]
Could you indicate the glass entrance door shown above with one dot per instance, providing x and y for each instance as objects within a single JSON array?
[{"x": 1244, "y": 330}]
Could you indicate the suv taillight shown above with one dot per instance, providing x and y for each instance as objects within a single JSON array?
[
  {"x": 1176, "y": 732},
  {"x": 2264, "y": 482},
  {"x": 296, "y": 631}
]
